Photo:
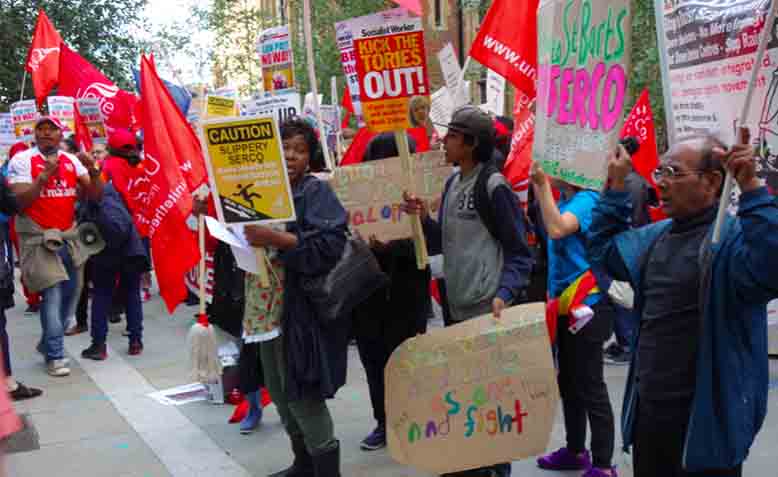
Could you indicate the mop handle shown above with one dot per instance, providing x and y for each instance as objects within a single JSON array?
[
  {"x": 764, "y": 38},
  {"x": 201, "y": 239}
]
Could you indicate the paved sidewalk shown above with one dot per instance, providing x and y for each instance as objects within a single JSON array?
[{"x": 99, "y": 422}]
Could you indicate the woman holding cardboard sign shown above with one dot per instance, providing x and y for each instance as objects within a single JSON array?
[
  {"x": 584, "y": 322},
  {"x": 306, "y": 364}
]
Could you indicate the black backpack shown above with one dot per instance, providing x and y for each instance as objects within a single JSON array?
[{"x": 481, "y": 200}]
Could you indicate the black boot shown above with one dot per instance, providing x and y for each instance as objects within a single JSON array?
[
  {"x": 303, "y": 463},
  {"x": 327, "y": 463}
]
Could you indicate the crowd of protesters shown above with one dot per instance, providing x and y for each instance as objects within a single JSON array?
[{"x": 694, "y": 334}]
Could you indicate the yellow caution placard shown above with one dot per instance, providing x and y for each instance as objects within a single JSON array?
[{"x": 247, "y": 170}]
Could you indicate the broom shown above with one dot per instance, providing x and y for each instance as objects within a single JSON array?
[{"x": 203, "y": 356}]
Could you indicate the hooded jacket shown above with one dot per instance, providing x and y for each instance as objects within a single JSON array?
[{"x": 737, "y": 280}]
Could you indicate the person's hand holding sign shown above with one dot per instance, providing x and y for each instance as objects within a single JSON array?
[
  {"x": 260, "y": 236},
  {"x": 414, "y": 206},
  {"x": 740, "y": 162},
  {"x": 619, "y": 166}
]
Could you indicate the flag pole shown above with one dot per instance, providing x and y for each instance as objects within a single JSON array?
[
  {"x": 312, "y": 80},
  {"x": 743, "y": 138},
  {"x": 24, "y": 80},
  {"x": 338, "y": 133}
]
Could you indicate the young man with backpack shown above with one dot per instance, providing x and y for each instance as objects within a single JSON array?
[{"x": 480, "y": 230}]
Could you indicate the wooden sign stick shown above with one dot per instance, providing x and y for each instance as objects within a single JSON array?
[{"x": 419, "y": 243}]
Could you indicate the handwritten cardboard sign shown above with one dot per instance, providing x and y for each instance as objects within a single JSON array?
[
  {"x": 583, "y": 60},
  {"x": 372, "y": 193},
  {"x": 475, "y": 394}
]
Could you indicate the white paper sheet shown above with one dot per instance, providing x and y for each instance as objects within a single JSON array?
[{"x": 245, "y": 256}]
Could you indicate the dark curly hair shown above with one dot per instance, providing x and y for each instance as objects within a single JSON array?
[{"x": 298, "y": 126}]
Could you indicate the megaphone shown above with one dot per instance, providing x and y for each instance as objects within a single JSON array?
[{"x": 87, "y": 234}]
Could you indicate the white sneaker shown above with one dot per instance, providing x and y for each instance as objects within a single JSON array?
[{"x": 58, "y": 368}]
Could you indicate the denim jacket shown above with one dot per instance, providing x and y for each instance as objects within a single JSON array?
[{"x": 738, "y": 279}]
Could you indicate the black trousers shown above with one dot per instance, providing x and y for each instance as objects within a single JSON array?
[
  {"x": 250, "y": 368},
  {"x": 584, "y": 392},
  {"x": 660, "y": 432},
  {"x": 374, "y": 353}
]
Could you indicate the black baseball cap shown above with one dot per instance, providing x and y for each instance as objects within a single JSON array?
[{"x": 472, "y": 121}]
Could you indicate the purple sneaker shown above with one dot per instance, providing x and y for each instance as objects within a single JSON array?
[
  {"x": 563, "y": 459},
  {"x": 595, "y": 472}
]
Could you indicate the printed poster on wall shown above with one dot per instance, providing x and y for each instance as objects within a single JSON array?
[
  {"x": 24, "y": 114},
  {"x": 710, "y": 50},
  {"x": 274, "y": 47},
  {"x": 61, "y": 107},
  {"x": 372, "y": 192},
  {"x": 582, "y": 87},
  {"x": 247, "y": 170},
  {"x": 478, "y": 393},
  {"x": 89, "y": 108}
]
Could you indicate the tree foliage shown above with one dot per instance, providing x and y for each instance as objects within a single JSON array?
[{"x": 102, "y": 31}]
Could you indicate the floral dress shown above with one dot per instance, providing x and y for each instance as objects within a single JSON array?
[{"x": 262, "y": 316}]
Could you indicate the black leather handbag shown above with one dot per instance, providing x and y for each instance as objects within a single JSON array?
[{"x": 355, "y": 277}]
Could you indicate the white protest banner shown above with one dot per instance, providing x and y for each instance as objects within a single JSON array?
[
  {"x": 308, "y": 106},
  {"x": 707, "y": 59},
  {"x": 281, "y": 104},
  {"x": 62, "y": 108},
  {"x": 452, "y": 74},
  {"x": 372, "y": 192},
  {"x": 475, "y": 394},
  {"x": 274, "y": 47},
  {"x": 7, "y": 136},
  {"x": 89, "y": 109},
  {"x": 24, "y": 114},
  {"x": 441, "y": 110},
  {"x": 344, "y": 36},
  {"x": 495, "y": 94},
  {"x": 582, "y": 87}
]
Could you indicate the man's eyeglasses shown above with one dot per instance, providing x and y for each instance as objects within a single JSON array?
[{"x": 671, "y": 173}]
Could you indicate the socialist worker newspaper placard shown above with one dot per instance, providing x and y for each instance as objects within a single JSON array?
[
  {"x": 247, "y": 171},
  {"x": 392, "y": 69}
]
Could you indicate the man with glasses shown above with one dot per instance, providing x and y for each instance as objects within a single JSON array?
[{"x": 697, "y": 388}]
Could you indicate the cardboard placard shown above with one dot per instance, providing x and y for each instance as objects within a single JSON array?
[
  {"x": 247, "y": 170},
  {"x": 441, "y": 110},
  {"x": 220, "y": 107},
  {"x": 495, "y": 94},
  {"x": 24, "y": 114},
  {"x": 344, "y": 35},
  {"x": 89, "y": 109},
  {"x": 274, "y": 47},
  {"x": 582, "y": 87},
  {"x": 372, "y": 192},
  {"x": 392, "y": 69},
  {"x": 475, "y": 394},
  {"x": 452, "y": 72},
  {"x": 282, "y": 105}
]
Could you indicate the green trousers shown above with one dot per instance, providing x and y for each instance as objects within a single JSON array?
[{"x": 308, "y": 420}]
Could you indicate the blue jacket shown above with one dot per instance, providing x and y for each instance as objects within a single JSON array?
[{"x": 738, "y": 279}]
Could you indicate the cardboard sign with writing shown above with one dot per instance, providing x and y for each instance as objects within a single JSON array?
[
  {"x": 274, "y": 47},
  {"x": 582, "y": 87},
  {"x": 392, "y": 69},
  {"x": 89, "y": 109},
  {"x": 24, "y": 114},
  {"x": 474, "y": 394},
  {"x": 372, "y": 193},
  {"x": 247, "y": 171}
]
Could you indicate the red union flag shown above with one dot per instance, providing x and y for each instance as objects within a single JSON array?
[
  {"x": 79, "y": 79},
  {"x": 507, "y": 42},
  {"x": 168, "y": 201},
  {"x": 640, "y": 124},
  {"x": 43, "y": 57},
  {"x": 519, "y": 161}
]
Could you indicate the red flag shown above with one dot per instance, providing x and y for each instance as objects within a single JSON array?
[
  {"x": 412, "y": 6},
  {"x": 43, "y": 57},
  {"x": 79, "y": 79},
  {"x": 168, "y": 203},
  {"x": 348, "y": 106},
  {"x": 83, "y": 136},
  {"x": 507, "y": 42},
  {"x": 356, "y": 151},
  {"x": 519, "y": 161},
  {"x": 640, "y": 124}
]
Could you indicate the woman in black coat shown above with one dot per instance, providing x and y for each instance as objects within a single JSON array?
[{"x": 306, "y": 364}]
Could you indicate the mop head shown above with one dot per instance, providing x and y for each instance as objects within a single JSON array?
[{"x": 203, "y": 356}]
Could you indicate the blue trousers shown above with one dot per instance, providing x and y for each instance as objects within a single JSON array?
[
  {"x": 104, "y": 282},
  {"x": 59, "y": 302}
]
